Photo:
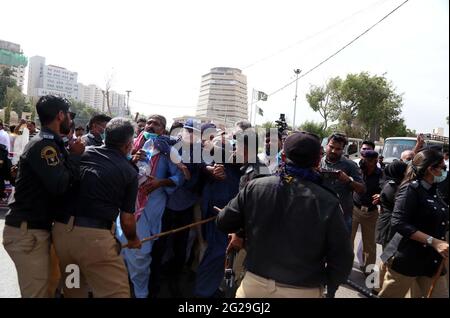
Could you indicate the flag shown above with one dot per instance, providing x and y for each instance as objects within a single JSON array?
[
  {"x": 260, "y": 111},
  {"x": 262, "y": 96}
]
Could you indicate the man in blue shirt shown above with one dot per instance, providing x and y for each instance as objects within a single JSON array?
[{"x": 164, "y": 179}]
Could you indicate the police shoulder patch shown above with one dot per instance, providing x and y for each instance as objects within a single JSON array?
[
  {"x": 50, "y": 155},
  {"x": 48, "y": 136}
]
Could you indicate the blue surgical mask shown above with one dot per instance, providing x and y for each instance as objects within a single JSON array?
[
  {"x": 407, "y": 161},
  {"x": 129, "y": 156},
  {"x": 441, "y": 178},
  {"x": 102, "y": 135},
  {"x": 148, "y": 135}
]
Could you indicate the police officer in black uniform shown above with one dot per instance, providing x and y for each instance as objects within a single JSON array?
[
  {"x": 96, "y": 133},
  {"x": 295, "y": 233},
  {"x": 420, "y": 216},
  {"x": 46, "y": 172}
]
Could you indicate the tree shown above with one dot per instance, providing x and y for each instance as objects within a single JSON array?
[
  {"x": 363, "y": 105},
  {"x": 84, "y": 112},
  {"x": 6, "y": 81},
  {"x": 15, "y": 101},
  {"x": 320, "y": 99},
  {"x": 106, "y": 93},
  {"x": 315, "y": 128},
  {"x": 268, "y": 125}
]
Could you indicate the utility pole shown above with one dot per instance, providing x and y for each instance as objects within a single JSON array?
[
  {"x": 297, "y": 72},
  {"x": 128, "y": 102}
]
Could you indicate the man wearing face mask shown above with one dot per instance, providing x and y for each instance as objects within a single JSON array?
[
  {"x": 85, "y": 237},
  {"x": 163, "y": 179},
  {"x": 179, "y": 210},
  {"x": 407, "y": 156},
  {"x": 46, "y": 172},
  {"x": 96, "y": 133}
]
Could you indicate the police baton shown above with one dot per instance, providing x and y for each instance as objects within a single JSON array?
[
  {"x": 154, "y": 237},
  {"x": 435, "y": 278}
]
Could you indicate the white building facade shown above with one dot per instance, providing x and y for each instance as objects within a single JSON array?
[
  {"x": 50, "y": 79},
  {"x": 223, "y": 94}
]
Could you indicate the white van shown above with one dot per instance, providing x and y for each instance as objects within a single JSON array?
[{"x": 394, "y": 146}]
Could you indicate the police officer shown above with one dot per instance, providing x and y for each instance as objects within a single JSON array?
[
  {"x": 96, "y": 133},
  {"x": 46, "y": 171},
  {"x": 252, "y": 168},
  {"x": 420, "y": 216},
  {"x": 296, "y": 237},
  {"x": 85, "y": 235}
]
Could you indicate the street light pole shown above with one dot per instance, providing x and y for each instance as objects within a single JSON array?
[
  {"x": 297, "y": 72},
  {"x": 128, "y": 102}
]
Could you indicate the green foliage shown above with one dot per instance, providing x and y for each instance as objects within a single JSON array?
[
  {"x": 269, "y": 124},
  {"x": 6, "y": 81},
  {"x": 315, "y": 128},
  {"x": 363, "y": 105},
  {"x": 84, "y": 112},
  {"x": 16, "y": 101}
]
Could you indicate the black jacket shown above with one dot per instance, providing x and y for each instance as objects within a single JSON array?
[
  {"x": 387, "y": 198},
  {"x": 418, "y": 208},
  {"x": 295, "y": 232},
  {"x": 46, "y": 172}
]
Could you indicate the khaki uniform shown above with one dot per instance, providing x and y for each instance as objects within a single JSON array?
[
  {"x": 260, "y": 287},
  {"x": 368, "y": 221},
  {"x": 96, "y": 253},
  {"x": 46, "y": 173},
  {"x": 30, "y": 251},
  {"x": 397, "y": 285}
]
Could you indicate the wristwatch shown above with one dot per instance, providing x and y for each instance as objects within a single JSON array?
[{"x": 430, "y": 241}]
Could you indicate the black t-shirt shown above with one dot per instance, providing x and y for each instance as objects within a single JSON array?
[
  {"x": 108, "y": 184},
  {"x": 372, "y": 184}
]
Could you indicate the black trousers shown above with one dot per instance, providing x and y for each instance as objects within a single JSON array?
[{"x": 171, "y": 220}]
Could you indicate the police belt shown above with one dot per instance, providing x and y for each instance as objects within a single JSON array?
[
  {"x": 83, "y": 221},
  {"x": 31, "y": 225}
]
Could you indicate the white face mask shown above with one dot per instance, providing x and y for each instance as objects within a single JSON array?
[{"x": 441, "y": 178}]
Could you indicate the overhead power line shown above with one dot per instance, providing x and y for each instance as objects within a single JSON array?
[
  {"x": 338, "y": 51},
  {"x": 309, "y": 37}
]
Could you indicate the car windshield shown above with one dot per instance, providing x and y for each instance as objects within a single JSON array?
[{"x": 394, "y": 148}]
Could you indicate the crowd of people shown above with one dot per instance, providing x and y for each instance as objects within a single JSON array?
[{"x": 110, "y": 201}]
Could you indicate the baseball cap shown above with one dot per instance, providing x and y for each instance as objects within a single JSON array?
[
  {"x": 192, "y": 124},
  {"x": 302, "y": 148}
]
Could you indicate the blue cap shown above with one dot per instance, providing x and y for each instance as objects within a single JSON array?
[{"x": 192, "y": 124}]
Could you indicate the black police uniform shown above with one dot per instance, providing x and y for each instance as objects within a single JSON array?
[
  {"x": 387, "y": 200},
  {"x": 252, "y": 171},
  {"x": 292, "y": 229},
  {"x": 418, "y": 207},
  {"x": 91, "y": 140},
  {"x": 46, "y": 171}
]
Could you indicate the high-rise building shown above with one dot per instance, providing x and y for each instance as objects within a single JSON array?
[
  {"x": 11, "y": 56},
  {"x": 93, "y": 96},
  {"x": 223, "y": 94},
  {"x": 50, "y": 79}
]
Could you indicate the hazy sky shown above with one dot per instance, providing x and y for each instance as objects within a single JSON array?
[{"x": 160, "y": 49}]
